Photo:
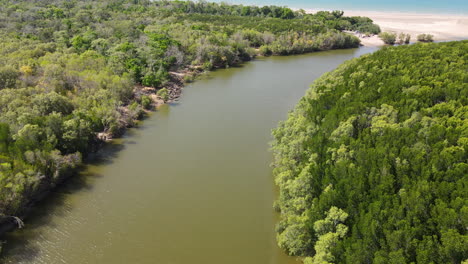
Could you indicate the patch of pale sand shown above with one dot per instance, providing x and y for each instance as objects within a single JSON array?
[
  {"x": 372, "y": 41},
  {"x": 443, "y": 27}
]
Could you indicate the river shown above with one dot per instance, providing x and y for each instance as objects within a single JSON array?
[{"x": 191, "y": 184}]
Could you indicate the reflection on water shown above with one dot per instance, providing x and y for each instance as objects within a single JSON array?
[{"x": 192, "y": 184}]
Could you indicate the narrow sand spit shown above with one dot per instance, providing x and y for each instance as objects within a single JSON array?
[{"x": 442, "y": 27}]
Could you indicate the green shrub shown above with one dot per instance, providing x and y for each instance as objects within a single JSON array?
[
  {"x": 265, "y": 50},
  {"x": 146, "y": 102},
  {"x": 388, "y": 38},
  {"x": 189, "y": 78},
  {"x": 404, "y": 38},
  {"x": 425, "y": 38},
  {"x": 135, "y": 112},
  {"x": 163, "y": 94},
  {"x": 155, "y": 79},
  {"x": 369, "y": 28},
  {"x": 8, "y": 77},
  {"x": 207, "y": 66}
]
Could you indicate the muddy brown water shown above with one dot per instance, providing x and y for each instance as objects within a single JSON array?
[{"x": 192, "y": 184}]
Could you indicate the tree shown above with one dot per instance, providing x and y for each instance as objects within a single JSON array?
[
  {"x": 338, "y": 13},
  {"x": 287, "y": 14},
  {"x": 4, "y": 137},
  {"x": 146, "y": 102},
  {"x": 163, "y": 94},
  {"x": 8, "y": 77},
  {"x": 425, "y": 38},
  {"x": 329, "y": 231},
  {"x": 407, "y": 38},
  {"x": 404, "y": 38},
  {"x": 52, "y": 102},
  {"x": 388, "y": 38}
]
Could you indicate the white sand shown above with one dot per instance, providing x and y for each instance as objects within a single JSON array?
[
  {"x": 371, "y": 41},
  {"x": 443, "y": 27}
]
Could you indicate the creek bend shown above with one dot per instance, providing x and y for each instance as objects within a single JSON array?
[{"x": 192, "y": 184}]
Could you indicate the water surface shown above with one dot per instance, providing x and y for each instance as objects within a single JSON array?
[{"x": 192, "y": 184}]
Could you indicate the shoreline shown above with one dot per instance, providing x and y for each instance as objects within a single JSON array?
[
  {"x": 175, "y": 87},
  {"x": 449, "y": 28},
  {"x": 364, "y": 12},
  {"x": 443, "y": 27},
  {"x": 402, "y": 22}
]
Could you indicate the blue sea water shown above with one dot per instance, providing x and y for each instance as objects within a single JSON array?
[{"x": 457, "y": 7}]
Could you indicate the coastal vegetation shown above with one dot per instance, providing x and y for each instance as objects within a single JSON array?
[
  {"x": 75, "y": 73},
  {"x": 404, "y": 38},
  {"x": 372, "y": 162},
  {"x": 425, "y": 38},
  {"x": 388, "y": 37}
]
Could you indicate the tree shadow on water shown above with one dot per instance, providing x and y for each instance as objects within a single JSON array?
[
  {"x": 106, "y": 154},
  {"x": 22, "y": 245}
]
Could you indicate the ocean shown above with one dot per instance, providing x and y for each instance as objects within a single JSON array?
[{"x": 455, "y": 7}]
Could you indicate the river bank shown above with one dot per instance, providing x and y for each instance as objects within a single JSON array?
[
  {"x": 63, "y": 94},
  {"x": 191, "y": 184},
  {"x": 177, "y": 81}
]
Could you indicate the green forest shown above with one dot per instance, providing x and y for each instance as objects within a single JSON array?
[
  {"x": 372, "y": 163},
  {"x": 72, "y": 70}
]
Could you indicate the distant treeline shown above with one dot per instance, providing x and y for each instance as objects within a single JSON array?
[{"x": 372, "y": 164}]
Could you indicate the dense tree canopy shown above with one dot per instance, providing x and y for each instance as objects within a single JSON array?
[{"x": 372, "y": 163}]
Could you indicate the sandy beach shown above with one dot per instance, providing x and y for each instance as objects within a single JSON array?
[{"x": 443, "y": 27}]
